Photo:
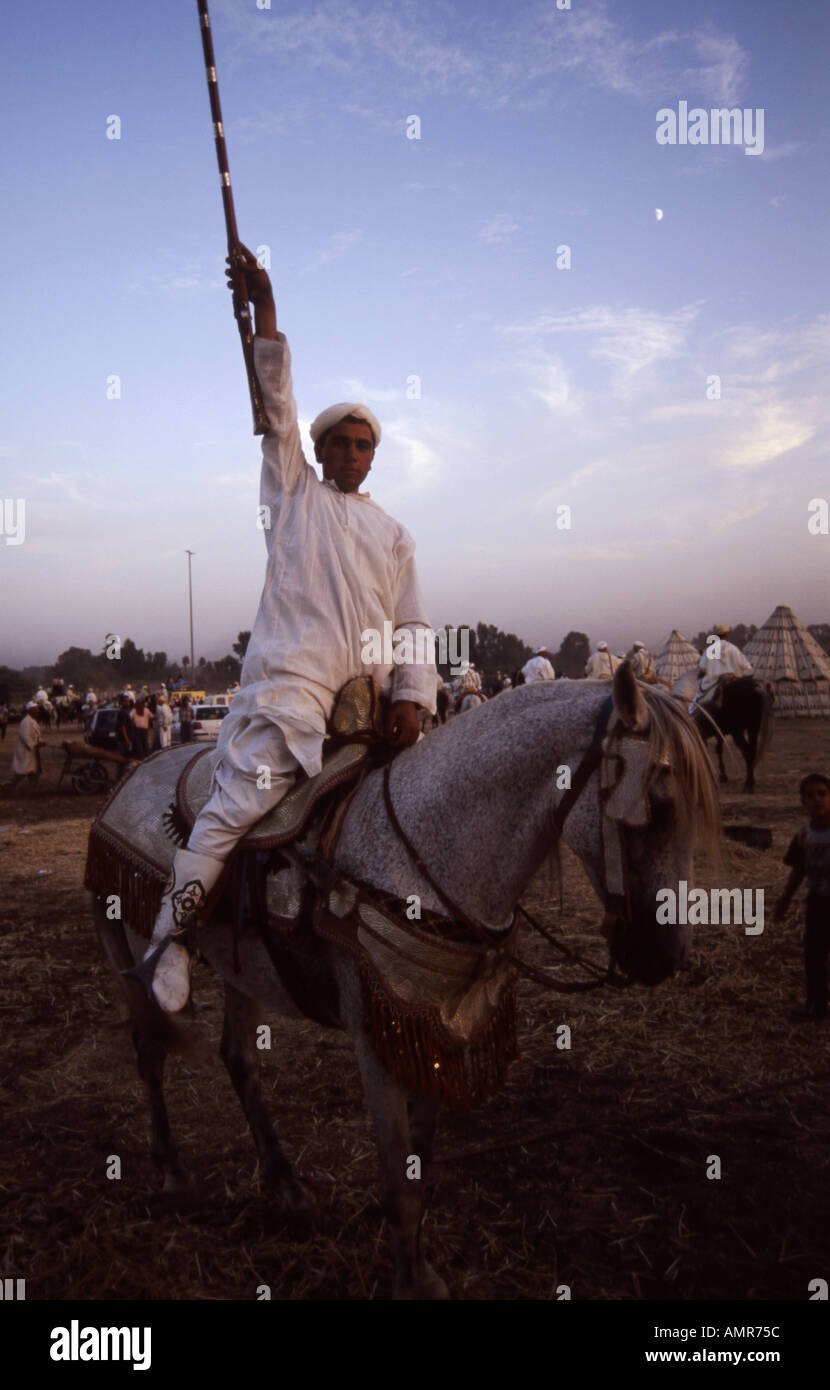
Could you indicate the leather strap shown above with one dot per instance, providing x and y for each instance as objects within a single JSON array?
[{"x": 590, "y": 762}]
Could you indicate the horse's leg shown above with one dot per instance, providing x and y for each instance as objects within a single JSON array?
[
  {"x": 239, "y": 1055},
  {"x": 390, "y": 1106},
  {"x": 719, "y": 748},
  {"x": 150, "y": 1034},
  {"x": 748, "y": 746},
  {"x": 423, "y": 1119},
  {"x": 423, "y": 1114}
]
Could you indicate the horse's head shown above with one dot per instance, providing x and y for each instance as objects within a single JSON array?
[{"x": 657, "y": 805}]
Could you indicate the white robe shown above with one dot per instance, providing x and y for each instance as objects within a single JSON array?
[
  {"x": 163, "y": 725},
  {"x": 24, "y": 757},
  {"x": 642, "y": 664},
  {"x": 731, "y": 662},
  {"x": 337, "y": 567},
  {"x": 538, "y": 668},
  {"x": 601, "y": 665}
]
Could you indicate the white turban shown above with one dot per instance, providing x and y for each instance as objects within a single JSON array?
[
  {"x": 602, "y": 646},
  {"x": 327, "y": 419},
  {"x": 639, "y": 644}
]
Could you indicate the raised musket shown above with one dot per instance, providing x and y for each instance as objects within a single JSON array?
[{"x": 241, "y": 307}]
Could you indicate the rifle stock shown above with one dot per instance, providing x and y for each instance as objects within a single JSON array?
[{"x": 241, "y": 307}]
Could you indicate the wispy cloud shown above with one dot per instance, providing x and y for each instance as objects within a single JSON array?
[
  {"x": 498, "y": 228},
  {"x": 339, "y": 243},
  {"x": 549, "y": 382},
  {"x": 80, "y": 487},
  {"x": 505, "y": 59},
  {"x": 785, "y": 151},
  {"x": 415, "y": 462},
  {"x": 631, "y": 340},
  {"x": 362, "y": 392},
  {"x": 774, "y": 430}
]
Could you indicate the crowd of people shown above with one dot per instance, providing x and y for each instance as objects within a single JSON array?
[{"x": 144, "y": 725}]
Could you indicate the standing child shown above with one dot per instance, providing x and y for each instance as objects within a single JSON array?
[{"x": 809, "y": 857}]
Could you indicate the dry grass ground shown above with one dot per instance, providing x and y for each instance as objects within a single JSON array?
[{"x": 589, "y": 1168}]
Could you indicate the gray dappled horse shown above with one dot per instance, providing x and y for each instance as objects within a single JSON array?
[{"x": 504, "y": 768}]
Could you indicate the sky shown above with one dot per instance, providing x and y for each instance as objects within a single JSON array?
[{"x": 599, "y": 361}]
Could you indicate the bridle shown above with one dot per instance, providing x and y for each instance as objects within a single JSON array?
[{"x": 591, "y": 760}]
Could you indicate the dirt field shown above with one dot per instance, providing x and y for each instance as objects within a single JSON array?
[{"x": 588, "y": 1170}]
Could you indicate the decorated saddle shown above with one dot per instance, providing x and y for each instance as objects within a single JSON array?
[{"x": 131, "y": 845}]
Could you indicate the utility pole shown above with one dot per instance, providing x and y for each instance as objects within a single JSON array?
[{"x": 189, "y": 553}]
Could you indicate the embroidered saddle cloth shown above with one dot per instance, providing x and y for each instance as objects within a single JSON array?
[{"x": 134, "y": 838}]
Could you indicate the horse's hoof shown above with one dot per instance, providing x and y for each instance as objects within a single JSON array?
[
  {"x": 297, "y": 1204},
  {"x": 177, "y": 1194},
  {"x": 175, "y": 1182},
  {"x": 427, "y": 1286},
  {"x": 431, "y": 1285}
]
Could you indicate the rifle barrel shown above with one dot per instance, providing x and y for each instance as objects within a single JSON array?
[{"x": 240, "y": 298}]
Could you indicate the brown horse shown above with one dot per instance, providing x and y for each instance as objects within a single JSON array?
[{"x": 745, "y": 712}]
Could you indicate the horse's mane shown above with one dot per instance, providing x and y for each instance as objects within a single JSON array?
[{"x": 672, "y": 735}]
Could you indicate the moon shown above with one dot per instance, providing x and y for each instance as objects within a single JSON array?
[{"x": 658, "y": 213}]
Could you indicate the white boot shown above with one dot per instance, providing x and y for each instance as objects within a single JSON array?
[{"x": 191, "y": 879}]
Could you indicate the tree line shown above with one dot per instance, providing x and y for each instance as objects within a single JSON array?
[{"x": 490, "y": 650}]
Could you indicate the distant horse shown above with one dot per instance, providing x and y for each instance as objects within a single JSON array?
[
  {"x": 67, "y": 709},
  {"x": 45, "y": 713},
  {"x": 746, "y": 713},
  {"x": 502, "y": 768}
]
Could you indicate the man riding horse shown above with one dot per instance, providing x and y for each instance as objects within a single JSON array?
[
  {"x": 338, "y": 565},
  {"x": 721, "y": 662},
  {"x": 730, "y": 701}
]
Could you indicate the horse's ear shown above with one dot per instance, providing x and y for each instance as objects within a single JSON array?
[{"x": 630, "y": 707}]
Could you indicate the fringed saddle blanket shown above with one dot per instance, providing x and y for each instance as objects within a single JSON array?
[
  {"x": 440, "y": 1014},
  {"x": 134, "y": 838}
]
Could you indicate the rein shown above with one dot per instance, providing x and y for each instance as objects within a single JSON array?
[{"x": 590, "y": 762}]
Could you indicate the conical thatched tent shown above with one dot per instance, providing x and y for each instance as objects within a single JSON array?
[
  {"x": 676, "y": 657},
  {"x": 788, "y": 658}
]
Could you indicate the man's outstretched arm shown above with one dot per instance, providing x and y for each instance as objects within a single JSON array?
[{"x": 283, "y": 461}]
